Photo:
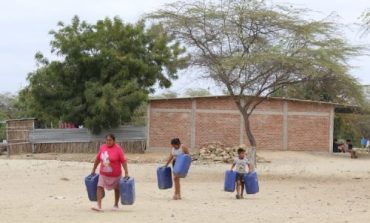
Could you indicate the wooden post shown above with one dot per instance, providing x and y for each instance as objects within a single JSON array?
[
  {"x": 193, "y": 127},
  {"x": 7, "y": 139},
  {"x": 285, "y": 126}
]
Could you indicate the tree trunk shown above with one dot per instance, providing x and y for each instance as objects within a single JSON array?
[{"x": 252, "y": 140}]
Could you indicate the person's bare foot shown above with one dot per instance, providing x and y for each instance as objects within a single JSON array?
[
  {"x": 97, "y": 209},
  {"x": 177, "y": 197},
  {"x": 115, "y": 208}
]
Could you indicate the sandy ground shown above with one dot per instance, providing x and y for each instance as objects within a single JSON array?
[{"x": 294, "y": 187}]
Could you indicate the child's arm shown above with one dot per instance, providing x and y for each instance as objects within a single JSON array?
[
  {"x": 170, "y": 158},
  {"x": 232, "y": 166},
  {"x": 250, "y": 167}
]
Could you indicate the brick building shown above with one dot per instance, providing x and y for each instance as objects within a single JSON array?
[{"x": 277, "y": 124}]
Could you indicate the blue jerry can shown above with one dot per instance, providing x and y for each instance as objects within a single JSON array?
[
  {"x": 164, "y": 177},
  {"x": 230, "y": 178},
  {"x": 127, "y": 191},
  {"x": 182, "y": 165},
  {"x": 91, "y": 183},
  {"x": 251, "y": 183}
]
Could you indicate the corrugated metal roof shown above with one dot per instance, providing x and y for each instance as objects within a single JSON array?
[
  {"x": 20, "y": 119},
  {"x": 268, "y": 98}
]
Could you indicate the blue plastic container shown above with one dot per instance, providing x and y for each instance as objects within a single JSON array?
[
  {"x": 182, "y": 165},
  {"x": 127, "y": 191},
  {"x": 91, "y": 183},
  {"x": 164, "y": 177},
  {"x": 230, "y": 178},
  {"x": 251, "y": 183}
]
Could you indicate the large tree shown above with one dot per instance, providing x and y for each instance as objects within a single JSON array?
[
  {"x": 8, "y": 110},
  {"x": 365, "y": 21},
  {"x": 197, "y": 92},
  {"x": 254, "y": 48},
  {"x": 103, "y": 72},
  {"x": 337, "y": 88}
]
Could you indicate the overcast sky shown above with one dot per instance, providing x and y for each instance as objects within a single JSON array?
[{"x": 25, "y": 24}]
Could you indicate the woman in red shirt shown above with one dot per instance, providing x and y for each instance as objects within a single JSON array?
[{"x": 110, "y": 158}]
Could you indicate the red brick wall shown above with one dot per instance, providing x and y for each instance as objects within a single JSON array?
[
  {"x": 268, "y": 131},
  {"x": 308, "y": 107},
  {"x": 172, "y": 103},
  {"x": 218, "y": 120},
  {"x": 217, "y": 128},
  {"x": 271, "y": 105},
  {"x": 216, "y": 103},
  {"x": 165, "y": 126},
  {"x": 308, "y": 133}
]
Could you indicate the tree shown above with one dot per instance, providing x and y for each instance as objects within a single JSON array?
[
  {"x": 8, "y": 110},
  {"x": 337, "y": 88},
  {"x": 167, "y": 94},
  {"x": 352, "y": 126},
  {"x": 197, "y": 92},
  {"x": 139, "y": 115},
  {"x": 104, "y": 72},
  {"x": 254, "y": 49},
  {"x": 7, "y": 105},
  {"x": 365, "y": 20}
]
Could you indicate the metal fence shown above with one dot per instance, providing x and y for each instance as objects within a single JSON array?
[
  {"x": 83, "y": 135},
  {"x": 132, "y": 140},
  {"x": 23, "y": 137}
]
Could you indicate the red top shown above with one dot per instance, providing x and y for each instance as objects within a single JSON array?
[{"x": 111, "y": 159}]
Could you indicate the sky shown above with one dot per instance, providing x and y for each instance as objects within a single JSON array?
[{"x": 24, "y": 27}]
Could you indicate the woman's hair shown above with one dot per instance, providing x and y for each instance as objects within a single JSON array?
[
  {"x": 175, "y": 141},
  {"x": 111, "y": 135}
]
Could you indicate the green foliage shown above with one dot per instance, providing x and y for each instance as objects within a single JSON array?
[
  {"x": 339, "y": 88},
  {"x": 255, "y": 48},
  {"x": 197, "y": 92},
  {"x": 167, "y": 94},
  {"x": 365, "y": 20},
  {"x": 352, "y": 126},
  {"x": 3, "y": 116},
  {"x": 8, "y": 110},
  {"x": 251, "y": 47},
  {"x": 104, "y": 72},
  {"x": 139, "y": 115}
]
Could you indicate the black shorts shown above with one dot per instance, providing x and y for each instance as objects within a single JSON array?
[{"x": 240, "y": 177}]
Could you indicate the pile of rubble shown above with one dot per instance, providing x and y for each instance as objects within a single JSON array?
[{"x": 218, "y": 152}]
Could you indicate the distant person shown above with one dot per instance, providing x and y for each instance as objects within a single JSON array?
[
  {"x": 363, "y": 142},
  {"x": 336, "y": 146},
  {"x": 240, "y": 163},
  {"x": 110, "y": 158},
  {"x": 177, "y": 149},
  {"x": 349, "y": 148}
]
